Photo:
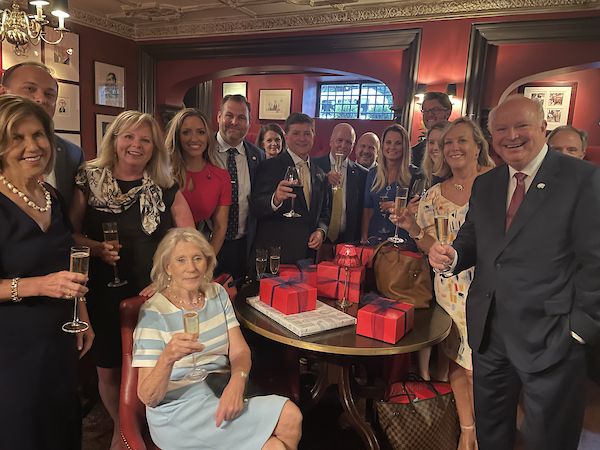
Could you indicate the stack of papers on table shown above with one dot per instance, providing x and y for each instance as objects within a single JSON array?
[{"x": 323, "y": 318}]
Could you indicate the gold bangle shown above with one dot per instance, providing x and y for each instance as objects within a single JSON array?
[
  {"x": 419, "y": 236},
  {"x": 14, "y": 286},
  {"x": 243, "y": 374},
  {"x": 82, "y": 299}
]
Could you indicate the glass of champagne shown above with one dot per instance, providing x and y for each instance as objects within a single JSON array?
[
  {"x": 111, "y": 236},
  {"x": 191, "y": 325},
  {"x": 339, "y": 161},
  {"x": 292, "y": 176},
  {"x": 383, "y": 199},
  {"x": 80, "y": 263},
  {"x": 275, "y": 257},
  {"x": 399, "y": 206},
  {"x": 261, "y": 262},
  {"x": 442, "y": 231},
  {"x": 418, "y": 188}
]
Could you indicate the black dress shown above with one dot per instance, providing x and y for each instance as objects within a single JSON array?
[
  {"x": 39, "y": 407},
  {"x": 134, "y": 266}
]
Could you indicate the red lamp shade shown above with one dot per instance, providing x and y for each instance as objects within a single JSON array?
[{"x": 347, "y": 257}]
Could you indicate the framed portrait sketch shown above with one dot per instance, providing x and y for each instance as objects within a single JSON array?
[
  {"x": 240, "y": 88},
  {"x": 557, "y": 98},
  {"x": 62, "y": 58},
  {"x": 274, "y": 104},
  {"x": 28, "y": 52},
  {"x": 109, "y": 82},
  {"x": 67, "y": 112},
  {"x": 102, "y": 123},
  {"x": 74, "y": 138}
]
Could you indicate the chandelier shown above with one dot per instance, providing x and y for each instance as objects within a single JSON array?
[{"x": 20, "y": 28}]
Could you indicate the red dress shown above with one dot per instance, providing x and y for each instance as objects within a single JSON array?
[{"x": 212, "y": 188}]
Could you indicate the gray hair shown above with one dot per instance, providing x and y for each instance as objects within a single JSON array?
[
  {"x": 539, "y": 109},
  {"x": 582, "y": 134}
]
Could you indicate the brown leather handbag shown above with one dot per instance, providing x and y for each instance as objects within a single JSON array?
[{"x": 402, "y": 275}]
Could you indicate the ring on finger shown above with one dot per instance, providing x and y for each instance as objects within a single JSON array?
[{"x": 70, "y": 294}]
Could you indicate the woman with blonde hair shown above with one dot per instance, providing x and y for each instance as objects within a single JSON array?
[
  {"x": 465, "y": 156},
  {"x": 393, "y": 169},
  {"x": 183, "y": 412},
  {"x": 432, "y": 158},
  {"x": 206, "y": 187},
  {"x": 129, "y": 183}
]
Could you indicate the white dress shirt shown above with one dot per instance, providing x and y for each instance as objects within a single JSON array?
[{"x": 243, "y": 173}]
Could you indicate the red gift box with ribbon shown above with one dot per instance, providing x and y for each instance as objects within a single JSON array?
[
  {"x": 364, "y": 252},
  {"x": 385, "y": 320},
  {"x": 288, "y": 296},
  {"x": 331, "y": 278},
  {"x": 308, "y": 275}
]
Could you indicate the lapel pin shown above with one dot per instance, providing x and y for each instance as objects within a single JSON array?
[
  {"x": 253, "y": 158},
  {"x": 541, "y": 186}
]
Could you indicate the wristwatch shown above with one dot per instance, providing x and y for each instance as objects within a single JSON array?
[{"x": 419, "y": 236}]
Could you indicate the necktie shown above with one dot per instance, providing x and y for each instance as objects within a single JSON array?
[
  {"x": 234, "y": 209},
  {"x": 516, "y": 199},
  {"x": 336, "y": 215},
  {"x": 304, "y": 173}
]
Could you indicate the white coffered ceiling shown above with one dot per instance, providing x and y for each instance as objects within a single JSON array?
[{"x": 170, "y": 19}]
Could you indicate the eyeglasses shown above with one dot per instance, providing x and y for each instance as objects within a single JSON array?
[{"x": 436, "y": 110}]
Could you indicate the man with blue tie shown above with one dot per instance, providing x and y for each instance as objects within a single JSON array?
[
  {"x": 533, "y": 234},
  {"x": 346, "y": 202},
  {"x": 240, "y": 158}
]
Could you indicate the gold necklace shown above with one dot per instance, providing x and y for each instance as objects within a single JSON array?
[
  {"x": 28, "y": 202},
  {"x": 459, "y": 187}
]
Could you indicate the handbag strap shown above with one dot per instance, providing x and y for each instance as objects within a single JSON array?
[
  {"x": 429, "y": 384},
  {"x": 379, "y": 247}
]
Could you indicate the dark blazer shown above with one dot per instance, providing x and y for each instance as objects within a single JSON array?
[
  {"x": 254, "y": 155},
  {"x": 291, "y": 234},
  {"x": 544, "y": 271},
  {"x": 355, "y": 196},
  {"x": 68, "y": 159}
]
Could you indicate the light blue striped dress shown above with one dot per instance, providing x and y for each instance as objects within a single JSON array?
[{"x": 185, "y": 417}]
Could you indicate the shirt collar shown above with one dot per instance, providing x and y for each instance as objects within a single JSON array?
[
  {"x": 297, "y": 160},
  {"x": 531, "y": 168},
  {"x": 224, "y": 146}
]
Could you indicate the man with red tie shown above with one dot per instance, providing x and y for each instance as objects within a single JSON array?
[{"x": 533, "y": 234}]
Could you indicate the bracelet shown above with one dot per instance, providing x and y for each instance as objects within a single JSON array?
[
  {"x": 82, "y": 299},
  {"x": 13, "y": 290},
  {"x": 419, "y": 236},
  {"x": 243, "y": 374}
]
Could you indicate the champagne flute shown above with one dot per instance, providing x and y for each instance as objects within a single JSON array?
[
  {"x": 191, "y": 325},
  {"x": 261, "y": 262},
  {"x": 339, "y": 161},
  {"x": 383, "y": 230},
  {"x": 275, "y": 257},
  {"x": 111, "y": 236},
  {"x": 292, "y": 176},
  {"x": 440, "y": 217},
  {"x": 399, "y": 206},
  {"x": 418, "y": 188},
  {"x": 80, "y": 263}
]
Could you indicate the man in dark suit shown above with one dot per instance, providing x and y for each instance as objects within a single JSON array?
[
  {"x": 347, "y": 202},
  {"x": 34, "y": 80},
  {"x": 240, "y": 158},
  {"x": 436, "y": 107},
  {"x": 533, "y": 234},
  {"x": 298, "y": 237}
]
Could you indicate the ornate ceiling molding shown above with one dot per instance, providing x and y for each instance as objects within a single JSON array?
[{"x": 373, "y": 15}]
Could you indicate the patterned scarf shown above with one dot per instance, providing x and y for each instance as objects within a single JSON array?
[{"x": 105, "y": 195}]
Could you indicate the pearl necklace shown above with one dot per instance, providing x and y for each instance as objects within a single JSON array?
[{"x": 28, "y": 202}]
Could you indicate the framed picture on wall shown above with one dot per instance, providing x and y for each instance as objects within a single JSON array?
[
  {"x": 557, "y": 98},
  {"x": 74, "y": 138},
  {"x": 67, "y": 112},
  {"x": 109, "y": 82},
  {"x": 274, "y": 104},
  {"x": 237, "y": 88},
  {"x": 62, "y": 58},
  {"x": 27, "y": 52},
  {"x": 102, "y": 123}
]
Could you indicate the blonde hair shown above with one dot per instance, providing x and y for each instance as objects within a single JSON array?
[
  {"x": 427, "y": 164},
  {"x": 404, "y": 176},
  {"x": 158, "y": 167},
  {"x": 13, "y": 110},
  {"x": 173, "y": 143},
  {"x": 164, "y": 251},
  {"x": 483, "y": 160}
]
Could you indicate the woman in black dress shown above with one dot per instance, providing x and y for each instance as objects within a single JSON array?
[
  {"x": 128, "y": 183},
  {"x": 39, "y": 407}
]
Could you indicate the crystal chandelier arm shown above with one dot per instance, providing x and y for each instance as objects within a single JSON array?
[{"x": 60, "y": 38}]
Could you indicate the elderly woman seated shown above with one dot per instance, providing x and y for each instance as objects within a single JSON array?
[{"x": 184, "y": 413}]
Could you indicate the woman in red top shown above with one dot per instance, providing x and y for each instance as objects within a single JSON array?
[{"x": 206, "y": 187}]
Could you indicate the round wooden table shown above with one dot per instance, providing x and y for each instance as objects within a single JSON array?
[{"x": 339, "y": 349}]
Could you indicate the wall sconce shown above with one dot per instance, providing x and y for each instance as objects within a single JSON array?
[
  {"x": 451, "y": 90},
  {"x": 19, "y": 28},
  {"x": 421, "y": 90}
]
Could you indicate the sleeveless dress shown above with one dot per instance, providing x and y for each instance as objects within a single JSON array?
[
  {"x": 184, "y": 419},
  {"x": 451, "y": 293},
  {"x": 134, "y": 266},
  {"x": 39, "y": 407}
]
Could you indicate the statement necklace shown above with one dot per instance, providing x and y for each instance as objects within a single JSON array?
[
  {"x": 459, "y": 187},
  {"x": 29, "y": 203}
]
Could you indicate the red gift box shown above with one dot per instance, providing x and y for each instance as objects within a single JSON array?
[
  {"x": 331, "y": 278},
  {"x": 364, "y": 252},
  {"x": 309, "y": 275},
  {"x": 288, "y": 297},
  {"x": 385, "y": 320}
]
